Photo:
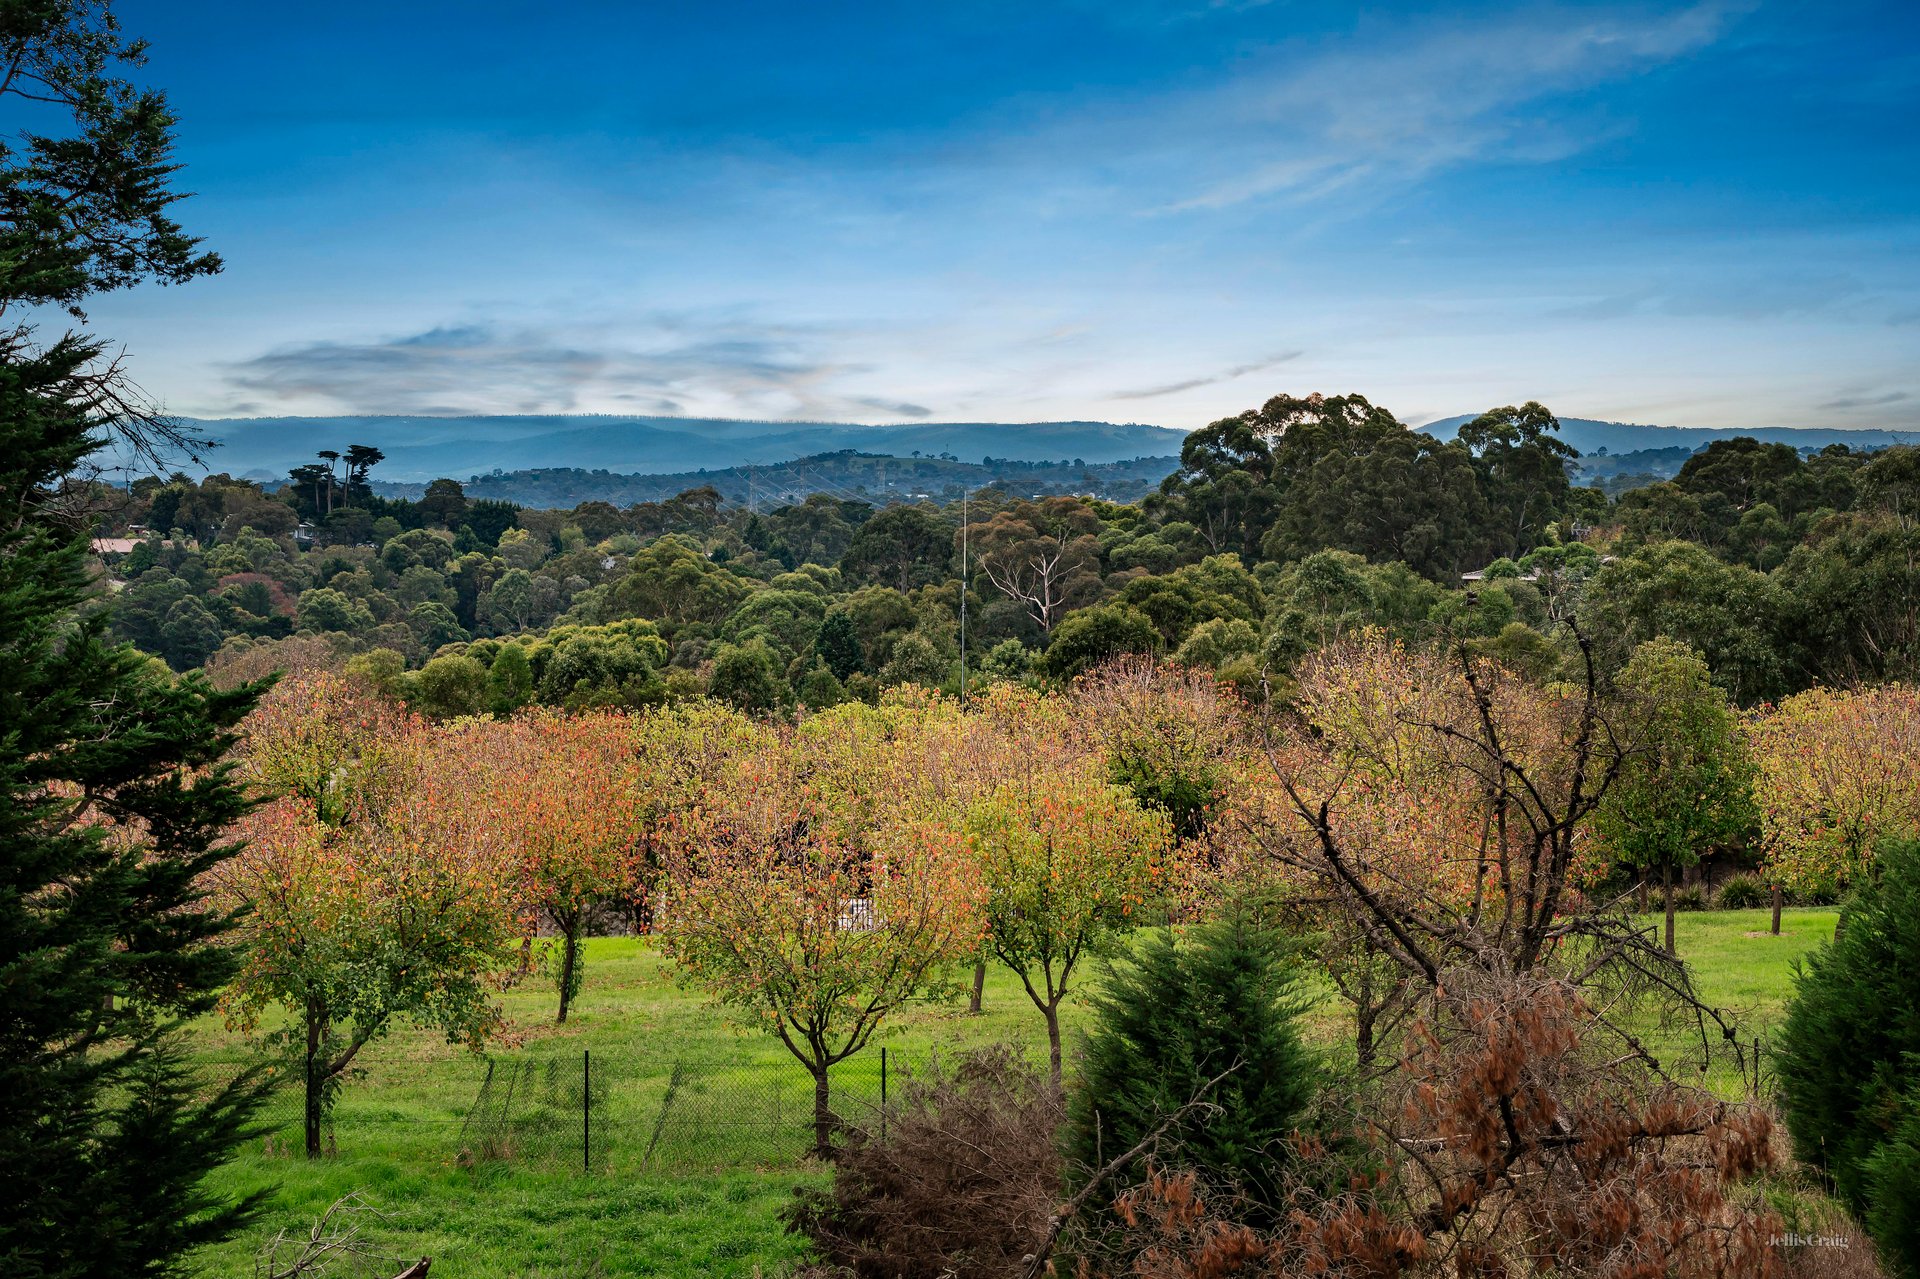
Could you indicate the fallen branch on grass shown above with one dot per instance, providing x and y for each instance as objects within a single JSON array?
[{"x": 339, "y": 1232}]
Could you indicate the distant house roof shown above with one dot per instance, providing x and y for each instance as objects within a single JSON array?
[
  {"x": 1480, "y": 575},
  {"x": 115, "y": 545},
  {"x": 1531, "y": 575}
]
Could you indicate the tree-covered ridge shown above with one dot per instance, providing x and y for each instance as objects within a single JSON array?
[
  {"x": 864, "y": 476},
  {"x": 1285, "y": 527}
]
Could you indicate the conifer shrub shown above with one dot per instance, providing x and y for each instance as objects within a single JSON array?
[
  {"x": 1893, "y": 1187},
  {"x": 1849, "y": 1054},
  {"x": 1179, "y": 1011}
]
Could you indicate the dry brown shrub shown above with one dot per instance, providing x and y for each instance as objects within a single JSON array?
[
  {"x": 962, "y": 1183},
  {"x": 1506, "y": 1146}
]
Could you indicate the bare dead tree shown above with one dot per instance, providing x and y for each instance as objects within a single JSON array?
[
  {"x": 1034, "y": 580},
  {"x": 1436, "y": 806}
]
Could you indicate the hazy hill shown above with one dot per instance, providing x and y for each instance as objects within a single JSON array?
[
  {"x": 861, "y": 476},
  {"x": 424, "y": 448}
]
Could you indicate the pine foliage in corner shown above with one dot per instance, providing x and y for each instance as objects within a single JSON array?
[{"x": 113, "y": 797}]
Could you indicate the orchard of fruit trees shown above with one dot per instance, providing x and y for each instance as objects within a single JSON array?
[{"x": 1419, "y": 809}]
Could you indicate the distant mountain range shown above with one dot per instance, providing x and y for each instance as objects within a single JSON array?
[
  {"x": 551, "y": 459},
  {"x": 425, "y": 448}
]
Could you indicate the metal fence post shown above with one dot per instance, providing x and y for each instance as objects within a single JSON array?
[
  {"x": 586, "y": 1111},
  {"x": 883, "y": 1092}
]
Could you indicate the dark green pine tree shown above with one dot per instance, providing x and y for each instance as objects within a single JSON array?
[
  {"x": 1180, "y": 1010},
  {"x": 112, "y": 796},
  {"x": 1848, "y": 1057}
]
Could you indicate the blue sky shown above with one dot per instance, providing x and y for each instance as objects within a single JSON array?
[{"x": 1701, "y": 215}]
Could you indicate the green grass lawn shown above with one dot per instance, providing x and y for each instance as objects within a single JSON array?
[
  {"x": 1738, "y": 964},
  {"x": 703, "y": 1201},
  {"x": 1740, "y": 967},
  {"x": 706, "y": 1209}
]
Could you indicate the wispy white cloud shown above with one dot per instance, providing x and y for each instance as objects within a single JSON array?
[
  {"x": 1304, "y": 121},
  {"x": 1195, "y": 383},
  {"x": 1396, "y": 110},
  {"x": 1867, "y": 401},
  {"x": 668, "y": 365},
  {"x": 1739, "y": 293}
]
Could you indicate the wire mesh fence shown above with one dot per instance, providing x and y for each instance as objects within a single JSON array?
[
  {"x": 583, "y": 1110},
  {"x": 1736, "y": 1071},
  {"x": 598, "y": 1113}
]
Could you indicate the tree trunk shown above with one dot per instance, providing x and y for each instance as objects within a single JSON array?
[
  {"x": 822, "y": 1115},
  {"x": 979, "y": 985},
  {"x": 569, "y": 957},
  {"x": 1777, "y": 895},
  {"x": 1363, "y": 1045},
  {"x": 1640, "y": 895},
  {"x": 1666, "y": 887},
  {"x": 316, "y": 1079},
  {"x": 1052, "y": 1012}
]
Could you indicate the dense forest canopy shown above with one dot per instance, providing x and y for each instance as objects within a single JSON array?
[{"x": 1284, "y": 527}]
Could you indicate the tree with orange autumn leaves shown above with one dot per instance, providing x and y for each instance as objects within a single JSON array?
[
  {"x": 781, "y": 903},
  {"x": 1066, "y": 860},
  {"x": 1436, "y": 809},
  {"x": 1440, "y": 799},
  {"x": 589, "y": 800},
  {"x": 1068, "y": 864},
  {"x": 1839, "y": 770},
  {"x": 567, "y": 794},
  {"x": 383, "y": 904},
  {"x": 566, "y": 810}
]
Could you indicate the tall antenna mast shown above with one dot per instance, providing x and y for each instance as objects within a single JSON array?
[{"x": 965, "y": 570}]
